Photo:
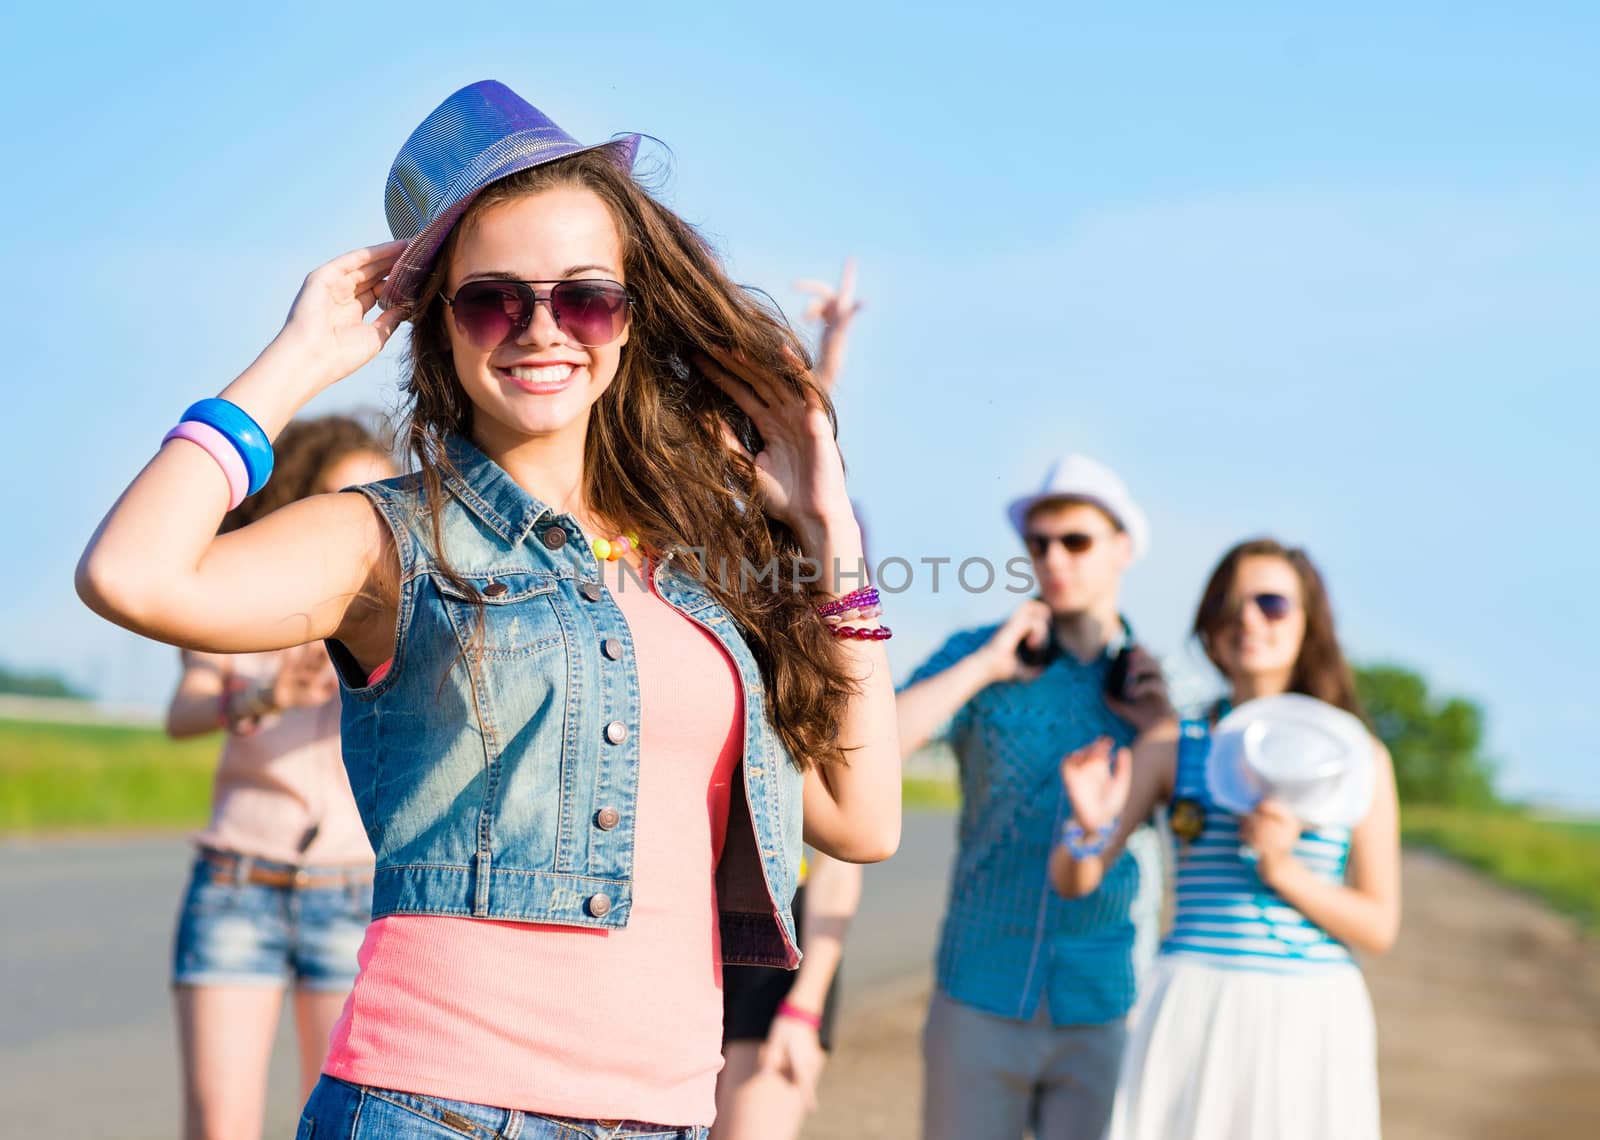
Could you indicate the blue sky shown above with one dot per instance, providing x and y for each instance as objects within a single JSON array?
[{"x": 1329, "y": 272}]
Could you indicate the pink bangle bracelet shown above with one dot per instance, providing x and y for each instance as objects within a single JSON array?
[
  {"x": 216, "y": 445},
  {"x": 795, "y": 1013}
]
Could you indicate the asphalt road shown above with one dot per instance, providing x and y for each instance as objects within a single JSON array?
[{"x": 87, "y": 1039}]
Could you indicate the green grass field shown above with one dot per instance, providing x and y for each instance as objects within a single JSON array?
[
  {"x": 1557, "y": 860},
  {"x": 920, "y": 794},
  {"x": 87, "y": 776},
  {"x": 57, "y": 777}
]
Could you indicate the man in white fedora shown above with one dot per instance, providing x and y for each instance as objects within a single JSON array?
[{"x": 1026, "y": 1026}]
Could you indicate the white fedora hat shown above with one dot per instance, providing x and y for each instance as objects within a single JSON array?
[
  {"x": 1081, "y": 478},
  {"x": 1314, "y": 758}
]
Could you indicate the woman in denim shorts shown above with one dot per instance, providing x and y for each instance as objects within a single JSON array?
[{"x": 282, "y": 882}]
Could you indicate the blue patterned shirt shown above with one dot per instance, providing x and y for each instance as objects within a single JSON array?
[{"x": 1008, "y": 938}]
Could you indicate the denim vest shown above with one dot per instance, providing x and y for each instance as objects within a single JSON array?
[{"x": 497, "y": 768}]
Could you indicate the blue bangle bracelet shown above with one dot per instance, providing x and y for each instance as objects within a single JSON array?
[{"x": 243, "y": 432}]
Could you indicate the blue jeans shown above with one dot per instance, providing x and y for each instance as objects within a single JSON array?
[
  {"x": 232, "y": 932},
  {"x": 360, "y": 1112}
]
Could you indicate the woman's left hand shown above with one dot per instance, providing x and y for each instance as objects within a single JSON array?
[
  {"x": 793, "y": 1051},
  {"x": 799, "y": 472},
  {"x": 1271, "y": 830}
]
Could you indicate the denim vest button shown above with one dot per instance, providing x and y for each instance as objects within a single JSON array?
[
  {"x": 554, "y": 537},
  {"x": 612, "y": 648},
  {"x": 591, "y": 591},
  {"x": 616, "y": 732},
  {"x": 495, "y": 589},
  {"x": 599, "y": 905},
  {"x": 607, "y": 818}
]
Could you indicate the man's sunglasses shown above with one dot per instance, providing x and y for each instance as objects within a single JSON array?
[
  {"x": 1073, "y": 542},
  {"x": 1273, "y": 607},
  {"x": 591, "y": 311}
]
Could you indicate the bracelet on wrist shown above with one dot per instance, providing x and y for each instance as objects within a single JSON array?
[
  {"x": 795, "y": 1013},
  {"x": 862, "y": 633},
  {"x": 224, "y": 426},
  {"x": 1083, "y": 844},
  {"x": 862, "y": 614},
  {"x": 854, "y": 600}
]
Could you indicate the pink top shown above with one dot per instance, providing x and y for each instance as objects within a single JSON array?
[
  {"x": 608, "y": 1024},
  {"x": 281, "y": 793}
]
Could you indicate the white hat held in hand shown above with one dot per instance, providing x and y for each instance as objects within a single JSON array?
[{"x": 1315, "y": 759}]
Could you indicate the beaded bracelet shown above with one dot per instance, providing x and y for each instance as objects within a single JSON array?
[
  {"x": 1079, "y": 843},
  {"x": 855, "y": 599},
  {"x": 862, "y": 614},
  {"x": 862, "y": 633}
]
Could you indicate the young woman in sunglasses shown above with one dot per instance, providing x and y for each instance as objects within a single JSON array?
[
  {"x": 281, "y": 887},
  {"x": 1257, "y": 1023},
  {"x": 579, "y": 734}
]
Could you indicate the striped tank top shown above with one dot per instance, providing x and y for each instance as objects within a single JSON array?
[{"x": 1224, "y": 911}]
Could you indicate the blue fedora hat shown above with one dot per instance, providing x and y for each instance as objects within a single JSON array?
[{"x": 480, "y": 134}]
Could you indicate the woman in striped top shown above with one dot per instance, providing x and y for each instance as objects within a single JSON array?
[{"x": 1256, "y": 1023}]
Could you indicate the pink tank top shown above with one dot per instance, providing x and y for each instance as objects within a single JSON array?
[
  {"x": 608, "y": 1024},
  {"x": 281, "y": 793}
]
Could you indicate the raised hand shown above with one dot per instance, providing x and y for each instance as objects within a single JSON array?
[
  {"x": 799, "y": 473},
  {"x": 328, "y": 320},
  {"x": 1096, "y": 785},
  {"x": 835, "y": 308}
]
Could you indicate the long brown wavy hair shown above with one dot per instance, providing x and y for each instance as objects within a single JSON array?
[
  {"x": 304, "y": 450},
  {"x": 655, "y": 458},
  {"x": 1320, "y": 670}
]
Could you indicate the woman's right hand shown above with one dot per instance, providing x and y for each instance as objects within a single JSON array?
[
  {"x": 327, "y": 321},
  {"x": 1096, "y": 787}
]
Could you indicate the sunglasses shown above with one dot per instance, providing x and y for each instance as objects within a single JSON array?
[
  {"x": 1273, "y": 607},
  {"x": 1073, "y": 542},
  {"x": 591, "y": 311}
]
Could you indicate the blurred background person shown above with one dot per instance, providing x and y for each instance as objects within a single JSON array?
[
  {"x": 777, "y": 1025},
  {"x": 1257, "y": 1024},
  {"x": 281, "y": 887},
  {"x": 1026, "y": 1026}
]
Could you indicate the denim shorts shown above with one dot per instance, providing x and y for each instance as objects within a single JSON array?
[
  {"x": 238, "y": 933},
  {"x": 360, "y": 1112}
]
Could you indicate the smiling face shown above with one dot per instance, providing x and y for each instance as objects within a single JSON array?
[
  {"x": 1250, "y": 642},
  {"x": 542, "y": 383}
]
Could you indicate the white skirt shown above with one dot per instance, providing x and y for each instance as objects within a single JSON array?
[{"x": 1235, "y": 1054}]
